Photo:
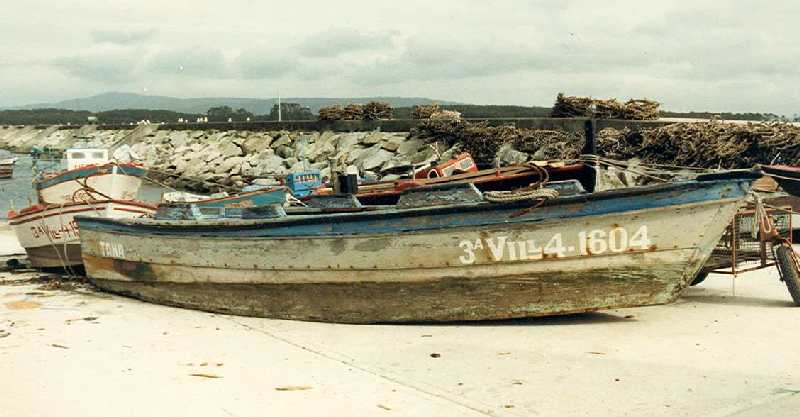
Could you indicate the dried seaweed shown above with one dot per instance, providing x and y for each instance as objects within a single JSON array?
[
  {"x": 335, "y": 112},
  {"x": 377, "y": 110},
  {"x": 705, "y": 144},
  {"x": 424, "y": 112}
]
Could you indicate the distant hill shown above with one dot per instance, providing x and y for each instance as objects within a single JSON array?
[{"x": 114, "y": 101}]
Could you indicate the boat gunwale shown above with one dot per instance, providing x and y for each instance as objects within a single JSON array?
[
  {"x": 207, "y": 228},
  {"x": 39, "y": 209},
  {"x": 42, "y": 183}
]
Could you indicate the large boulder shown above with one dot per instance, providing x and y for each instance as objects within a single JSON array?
[
  {"x": 284, "y": 151},
  {"x": 373, "y": 158},
  {"x": 229, "y": 149},
  {"x": 230, "y": 165},
  {"x": 510, "y": 156},
  {"x": 410, "y": 146},
  {"x": 256, "y": 143},
  {"x": 348, "y": 140},
  {"x": 269, "y": 165},
  {"x": 284, "y": 140},
  {"x": 179, "y": 138},
  {"x": 373, "y": 138}
]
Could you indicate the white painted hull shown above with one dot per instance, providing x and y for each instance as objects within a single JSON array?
[
  {"x": 50, "y": 234},
  {"x": 114, "y": 185}
]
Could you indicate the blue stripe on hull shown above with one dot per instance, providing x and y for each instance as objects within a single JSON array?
[{"x": 443, "y": 217}]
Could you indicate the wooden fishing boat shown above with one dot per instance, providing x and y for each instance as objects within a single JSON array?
[
  {"x": 498, "y": 179},
  {"x": 50, "y": 235},
  {"x": 787, "y": 176},
  {"x": 90, "y": 175},
  {"x": 199, "y": 206},
  {"x": 473, "y": 260}
]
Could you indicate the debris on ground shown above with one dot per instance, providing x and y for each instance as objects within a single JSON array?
[
  {"x": 59, "y": 346},
  {"x": 91, "y": 318},
  {"x": 204, "y": 375},
  {"x": 22, "y": 305},
  {"x": 293, "y": 388}
]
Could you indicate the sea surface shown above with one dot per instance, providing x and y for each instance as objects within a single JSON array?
[{"x": 17, "y": 193}]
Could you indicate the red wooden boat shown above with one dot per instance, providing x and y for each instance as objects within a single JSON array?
[{"x": 499, "y": 179}]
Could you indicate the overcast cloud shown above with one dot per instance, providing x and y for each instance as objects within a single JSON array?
[{"x": 691, "y": 55}]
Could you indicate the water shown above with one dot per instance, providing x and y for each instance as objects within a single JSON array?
[{"x": 17, "y": 193}]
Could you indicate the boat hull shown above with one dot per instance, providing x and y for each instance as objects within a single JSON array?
[
  {"x": 462, "y": 263},
  {"x": 114, "y": 182},
  {"x": 50, "y": 234}
]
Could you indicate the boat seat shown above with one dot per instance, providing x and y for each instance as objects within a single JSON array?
[{"x": 438, "y": 195}]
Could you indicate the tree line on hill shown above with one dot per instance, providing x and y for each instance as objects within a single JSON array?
[{"x": 294, "y": 111}]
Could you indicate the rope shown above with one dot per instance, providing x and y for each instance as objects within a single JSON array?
[{"x": 520, "y": 195}]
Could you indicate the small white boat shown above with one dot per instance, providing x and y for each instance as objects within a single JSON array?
[
  {"x": 90, "y": 175},
  {"x": 7, "y": 161}
]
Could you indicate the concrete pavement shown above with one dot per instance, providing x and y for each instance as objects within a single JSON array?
[{"x": 72, "y": 351}]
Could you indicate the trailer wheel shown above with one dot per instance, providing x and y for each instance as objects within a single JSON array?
[
  {"x": 788, "y": 270},
  {"x": 700, "y": 277}
]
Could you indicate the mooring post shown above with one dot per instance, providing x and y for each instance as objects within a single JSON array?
[{"x": 590, "y": 148}]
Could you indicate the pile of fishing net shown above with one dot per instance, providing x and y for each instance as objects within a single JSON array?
[
  {"x": 549, "y": 144},
  {"x": 712, "y": 144},
  {"x": 483, "y": 141},
  {"x": 353, "y": 112},
  {"x": 377, "y": 110},
  {"x": 335, "y": 112},
  {"x": 633, "y": 109},
  {"x": 374, "y": 110},
  {"x": 424, "y": 112},
  {"x": 571, "y": 106},
  {"x": 445, "y": 115}
]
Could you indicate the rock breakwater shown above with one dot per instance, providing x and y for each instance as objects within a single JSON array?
[{"x": 211, "y": 160}]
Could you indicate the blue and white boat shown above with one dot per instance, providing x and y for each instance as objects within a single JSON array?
[
  {"x": 89, "y": 175},
  {"x": 433, "y": 257}
]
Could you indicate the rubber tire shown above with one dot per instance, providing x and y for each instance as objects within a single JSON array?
[
  {"x": 700, "y": 277},
  {"x": 788, "y": 270}
]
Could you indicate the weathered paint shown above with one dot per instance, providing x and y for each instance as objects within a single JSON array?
[
  {"x": 232, "y": 206},
  {"x": 113, "y": 181},
  {"x": 47, "y": 233},
  {"x": 788, "y": 177},
  {"x": 408, "y": 265}
]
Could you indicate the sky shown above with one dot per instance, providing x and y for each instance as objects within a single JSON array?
[{"x": 690, "y": 55}]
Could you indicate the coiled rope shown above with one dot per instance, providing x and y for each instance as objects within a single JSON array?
[{"x": 520, "y": 195}]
